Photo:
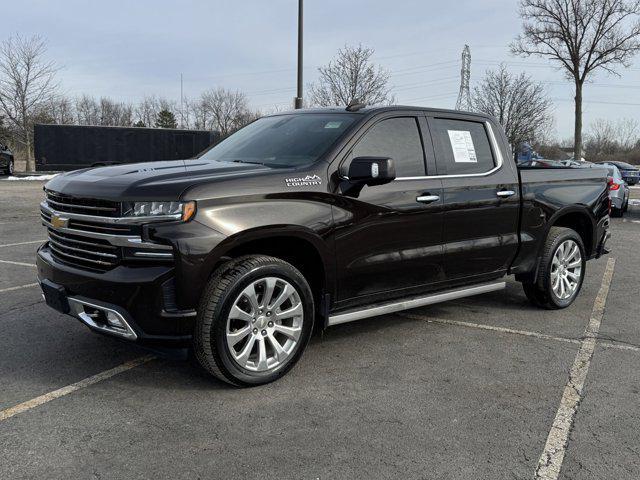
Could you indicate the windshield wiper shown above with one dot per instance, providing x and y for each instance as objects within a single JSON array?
[{"x": 249, "y": 161}]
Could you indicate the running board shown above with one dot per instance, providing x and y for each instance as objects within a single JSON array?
[{"x": 414, "y": 302}]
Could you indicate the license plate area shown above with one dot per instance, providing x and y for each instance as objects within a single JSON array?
[{"x": 55, "y": 296}]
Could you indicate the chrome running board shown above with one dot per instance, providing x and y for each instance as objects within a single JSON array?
[{"x": 413, "y": 302}]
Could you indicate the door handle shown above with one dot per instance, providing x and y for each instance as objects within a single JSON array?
[
  {"x": 427, "y": 198},
  {"x": 505, "y": 193}
]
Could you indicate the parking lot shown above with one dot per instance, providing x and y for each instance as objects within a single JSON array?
[{"x": 471, "y": 389}]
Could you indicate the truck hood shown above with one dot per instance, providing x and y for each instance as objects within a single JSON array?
[{"x": 163, "y": 180}]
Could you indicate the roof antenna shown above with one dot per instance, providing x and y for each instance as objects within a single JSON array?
[{"x": 355, "y": 105}]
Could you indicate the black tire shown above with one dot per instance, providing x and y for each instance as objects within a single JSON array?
[
  {"x": 9, "y": 169},
  {"x": 625, "y": 207},
  {"x": 540, "y": 292},
  {"x": 210, "y": 341},
  {"x": 617, "y": 212}
]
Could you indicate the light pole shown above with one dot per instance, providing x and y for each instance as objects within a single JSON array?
[{"x": 298, "y": 99}]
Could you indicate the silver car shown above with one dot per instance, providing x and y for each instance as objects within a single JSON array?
[{"x": 618, "y": 191}]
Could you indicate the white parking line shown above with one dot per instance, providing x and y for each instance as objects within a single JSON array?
[
  {"x": 47, "y": 397},
  {"x": 18, "y": 263},
  {"x": 550, "y": 461},
  {"x": 492, "y": 328},
  {"x": 525, "y": 333},
  {"x": 11, "y": 289},
  {"x": 21, "y": 243}
]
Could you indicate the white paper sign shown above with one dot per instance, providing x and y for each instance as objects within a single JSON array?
[{"x": 462, "y": 145}]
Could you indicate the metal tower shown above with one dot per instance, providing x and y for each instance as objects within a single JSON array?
[{"x": 464, "y": 97}]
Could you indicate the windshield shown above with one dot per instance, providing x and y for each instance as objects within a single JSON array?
[{"x": 282, "y": 141}]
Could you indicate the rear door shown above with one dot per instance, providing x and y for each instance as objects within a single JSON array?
[
  {"x": 480, "y": 197},
  {"x": 389, "y": 237}
]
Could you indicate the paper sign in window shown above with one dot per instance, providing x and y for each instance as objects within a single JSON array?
[{"x": 462, "y": 146}]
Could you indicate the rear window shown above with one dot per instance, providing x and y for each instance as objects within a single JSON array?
[{"x": 462, "y": 147}]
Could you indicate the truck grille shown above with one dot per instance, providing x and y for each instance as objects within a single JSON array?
[
  {"x": 85, "y": 252},
  {"x": 90, "y": 234},
  {"x": 84, "y": 206}
]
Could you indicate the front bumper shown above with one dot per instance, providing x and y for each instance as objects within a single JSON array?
[{"x": 143, "y": 296}]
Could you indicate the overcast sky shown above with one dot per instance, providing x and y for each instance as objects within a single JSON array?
[{"x": 128, "y": 49}]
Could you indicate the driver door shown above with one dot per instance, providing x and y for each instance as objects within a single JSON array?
[{"x": 389, "y": 238}]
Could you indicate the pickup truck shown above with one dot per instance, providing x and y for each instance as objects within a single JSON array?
[{"x": 313, "y": 217}]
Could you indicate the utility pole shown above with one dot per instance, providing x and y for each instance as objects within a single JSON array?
[
  {"x": 298, "y": 99},
  {"x": 181, "y": 104},
  {"x": 464, "y": 97}
]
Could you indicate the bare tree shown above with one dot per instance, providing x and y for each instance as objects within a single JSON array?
[
  {"x": 27, "y": 81},
  {"x": 351, "y": 76},
  {"x": 59, "y": 110},
  {"x": 223, "y": 110},
  {"x": 147, "y": 110},
  {"x": 520, "y": 105},
  {"x": 87, "y": 111},
  {"x": 116, "y": 114},
  {"x": 582, "y": 36},
  {"x": 606, "y": 137},
  {"x": 627, "y": 133},
  {"x": 601, "y": 139}
]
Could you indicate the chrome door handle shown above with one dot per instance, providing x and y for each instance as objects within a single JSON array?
[
  {"x": 505, "y": 193},
  {"x": 427, "y": 198}
]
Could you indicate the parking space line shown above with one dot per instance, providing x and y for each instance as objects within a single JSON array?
[
  {"x": 492, "y": 328},
  {"x": 11, "y": 289},
  {"x": 525, "y": 333},
  {"x": 61, "y": 392},
  {"x": 21, "y": 243},
  {"x": 550, "y": 461},
  {"x": 18, "y": 263}
]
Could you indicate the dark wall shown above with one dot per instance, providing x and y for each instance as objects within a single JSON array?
[{"x": 70, "y": 147}]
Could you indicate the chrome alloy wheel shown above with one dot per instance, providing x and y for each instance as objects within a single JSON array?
[
  {"x": 566, "y": 269},
  {"x": 265, "y": 324}
]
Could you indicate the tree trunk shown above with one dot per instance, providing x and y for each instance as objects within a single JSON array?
[{"x": 577, "y": 135}]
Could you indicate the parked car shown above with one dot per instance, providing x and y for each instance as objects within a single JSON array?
[
  {"x": 618, "y": 191},
  {"x": 6, "y": 160},
  {"x": 313, "y": 217},
  {"x": 630, "y": 173}
]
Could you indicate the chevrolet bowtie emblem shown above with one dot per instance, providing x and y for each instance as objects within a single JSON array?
[{"x": 59, "y": 222}]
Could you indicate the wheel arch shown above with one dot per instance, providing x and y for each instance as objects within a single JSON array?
[
  {"x": 301, "y": 247},
  {"x": 578, "y": 219}
]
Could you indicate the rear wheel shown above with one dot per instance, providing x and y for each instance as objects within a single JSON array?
[
  {"x": 254, "y": 321},
  {"x": 561, "y": 270}
]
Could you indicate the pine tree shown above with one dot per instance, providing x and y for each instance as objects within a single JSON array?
[
  {"x": 139, "y": 124},
  {"x": 166, "y": 119}
]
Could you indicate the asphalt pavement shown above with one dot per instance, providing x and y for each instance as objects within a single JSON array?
[{"x": 471, "y": 389}]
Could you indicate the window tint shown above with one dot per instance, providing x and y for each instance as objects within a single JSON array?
[
  {"x": 461, "y": 147},
  {"x": 283, "y": 140},
  {"x": 396, "y": 138}
]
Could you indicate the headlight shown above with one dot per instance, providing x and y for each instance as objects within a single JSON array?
[{"x": 179, "y": 210}]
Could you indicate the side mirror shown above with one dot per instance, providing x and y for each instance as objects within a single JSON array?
[{"x": 370, "y": 171}]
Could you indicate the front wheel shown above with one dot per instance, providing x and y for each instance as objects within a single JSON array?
[
  {"x": 254, "y": 321},
  {"x": 561, "y": 270}
]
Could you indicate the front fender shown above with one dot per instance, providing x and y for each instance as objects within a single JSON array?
[{"x": 204, "y": 243}]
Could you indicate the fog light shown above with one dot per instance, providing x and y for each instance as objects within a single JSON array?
[{"x": 113, "y": 319}]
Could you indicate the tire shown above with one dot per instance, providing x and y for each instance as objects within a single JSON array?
[
  {"x": 547, "y": 291},
  {"x": 617, "y": 212},
  {"x": 222, "y": 345},
  {"x": 625, "y": 207},
  {"x": 9, "y": 169}
]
